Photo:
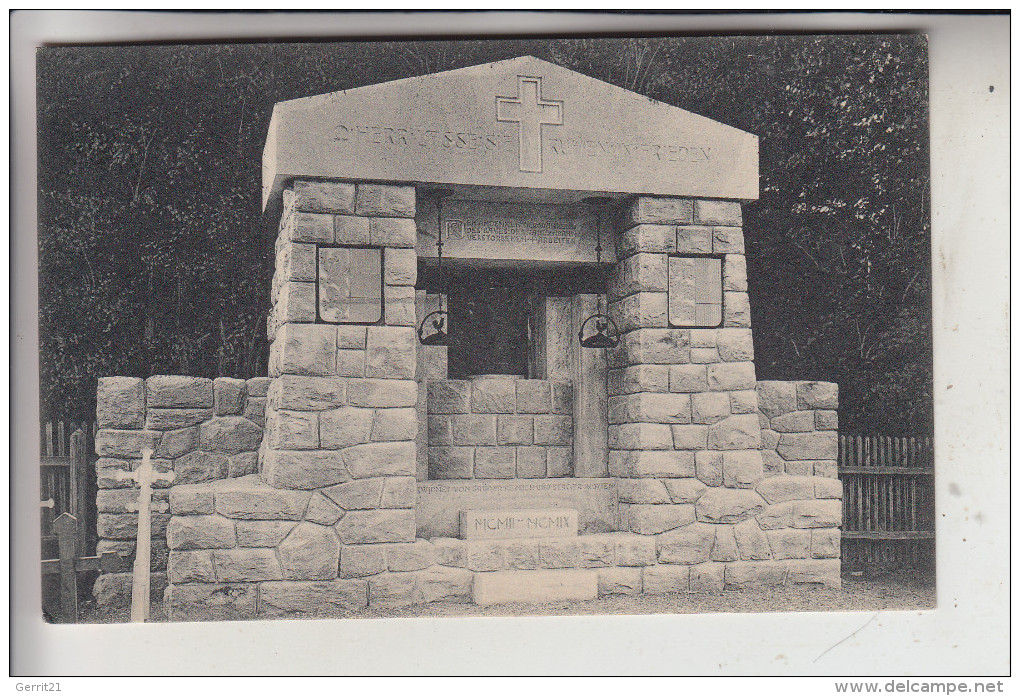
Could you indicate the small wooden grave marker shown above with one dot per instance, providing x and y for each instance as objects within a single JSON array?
[
  {"x": 66, "y": 527},
  {"x": 68, "y": 565}
]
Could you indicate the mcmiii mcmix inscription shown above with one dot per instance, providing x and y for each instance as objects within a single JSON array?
[{"x": 516, "y": 524}]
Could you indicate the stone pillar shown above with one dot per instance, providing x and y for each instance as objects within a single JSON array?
[
  {"x": 588, "y": 376},
  {"x": 432, "y": 366},
  {"x": 555, "y": 338},
  {"x": 342, "y": 418},
  {"x": 331, "y": 511},
  {"x": 684, "y": 434}
]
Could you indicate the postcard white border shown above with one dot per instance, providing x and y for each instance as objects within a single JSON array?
[{"x": 967, "y": 634}]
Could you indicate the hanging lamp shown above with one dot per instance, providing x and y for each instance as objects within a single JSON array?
[
  {"x": 598, "y": 330},
  {"x": 434, "y": 328}
]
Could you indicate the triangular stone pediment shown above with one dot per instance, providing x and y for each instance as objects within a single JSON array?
[{"x": 521, "y": 123}]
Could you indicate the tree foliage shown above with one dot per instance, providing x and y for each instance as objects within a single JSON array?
[{"x": 153, "y": 258}]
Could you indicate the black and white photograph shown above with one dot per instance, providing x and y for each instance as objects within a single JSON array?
[{"x": 629, "y": 324}]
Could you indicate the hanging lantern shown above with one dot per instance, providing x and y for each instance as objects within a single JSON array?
[
  {"x": 434, "y": 328},
  {"x": 598, "y": 330}
]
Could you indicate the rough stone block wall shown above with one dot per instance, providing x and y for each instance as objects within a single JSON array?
[
  {"x": 200, "y": 429},
  {"x": 500, "y": 428},
  {"x": 336, "y": 488},
  {"x": 685, "y": 436},
  {"x": 723, "y": 482},
  {"x": 799, "y": 427}
]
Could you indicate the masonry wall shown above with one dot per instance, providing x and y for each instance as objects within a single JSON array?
[
  {"x": 328, "y": 523},
  {"x": 800, "y": 439},
  {"x": 799, "y": 427},
  {"x": 500, "y": 428},
  {"x": 723, "y": 482},
  {"x": 198, "y": 429}
]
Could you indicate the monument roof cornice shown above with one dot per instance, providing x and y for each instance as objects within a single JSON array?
[{"x": 522, "y": 123}]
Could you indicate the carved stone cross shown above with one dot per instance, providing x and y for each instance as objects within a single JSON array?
[
  {"x": 145, "y": 476},
  {"x": 530, "y": 111}
]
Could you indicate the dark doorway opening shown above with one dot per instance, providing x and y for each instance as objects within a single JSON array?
[
  {"x": 489, "y": 324},
  {"x": 492, "y": 310}
]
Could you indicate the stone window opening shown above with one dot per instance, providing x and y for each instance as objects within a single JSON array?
[
  {"x": 349, "y": 287},
  {"x": 695, "y": 295}
]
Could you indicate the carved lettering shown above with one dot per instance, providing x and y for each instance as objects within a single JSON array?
[
  {"x": 586, "y": 147},
  {"x": 465, "y": 142},
  {"x": 511, "y": 524},
  {"x": 405, "y": 137}
]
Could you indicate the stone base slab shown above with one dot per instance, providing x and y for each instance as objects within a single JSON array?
[{"x": 534, "y": 586}]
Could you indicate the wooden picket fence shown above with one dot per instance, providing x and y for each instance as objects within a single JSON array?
[
  {"x": 67, "y": 481},
  {"x": 888, "y": 502}
]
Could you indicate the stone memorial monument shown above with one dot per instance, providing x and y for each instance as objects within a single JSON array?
[{"x": 509, "y": 457}]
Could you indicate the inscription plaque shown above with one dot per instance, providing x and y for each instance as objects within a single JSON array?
[
  {"x": 512, "y": 231},
  {"x": 517, "y": 524}
]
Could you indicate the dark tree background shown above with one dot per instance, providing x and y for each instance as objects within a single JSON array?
[{"x": 153, "y": 259}]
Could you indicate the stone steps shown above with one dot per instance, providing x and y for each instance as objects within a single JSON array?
[
  {"x": 585, "y": 551},
  {"x": 217, "y": 600}
]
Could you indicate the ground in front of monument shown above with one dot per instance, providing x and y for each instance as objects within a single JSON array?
[{"x": 883, "y": 592}]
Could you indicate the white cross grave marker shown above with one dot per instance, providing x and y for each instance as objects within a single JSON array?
[
  {"x": 145, "y": 477},
  {"x": 531, "y": 112}
]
